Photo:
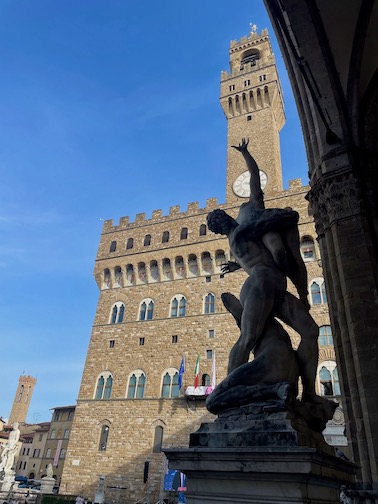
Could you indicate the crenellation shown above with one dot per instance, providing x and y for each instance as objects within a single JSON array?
[
  {"x": 211, "y": 203},
  {"x": 296, "y": 184},
  {"x": 123, "y": 221},
  {"x": 108, "y": 226},
  {"x": 193, "y": 207},
  {"x": 140, "y": 217},
  {"x": 174, "y": 210},
  {"x": 157, "y": 214}
]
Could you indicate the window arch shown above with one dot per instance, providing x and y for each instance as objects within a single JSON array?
[
  {"x": 170, "y": 383},
  {"x": 158, "y": 439},
  {"x": 206, "y": 262},
  {"x": 104, "y": 386},
  {"x": 220, "y": 258},
  {"x": 53, "y": 434},
  {"x": 66, "y": 434},
  {"x": 118, "y": 276},
  {"x": 193, "y": 264},
  {"x": 113, "y": 246},
  {"x": 328, "y": 379},
  {"x": 130, "y": 243},
  {"x": 165, "y": 237},
  {"x": 107, "y": 279},
  {"x": 325, "y": 335},
  {"x": 203, "y": 230},
  {"x": 184, "y": 233},
  {"x": 146, "y": 309},
  {"x": 179, "y": 266},
  {"x": 147, "y": 240},
  {"x": 205, "y": 380},
  {"x": 142, "y": 273},
  {"x": 104, "y": 434},
  {"x": 154, "y": 271},
  {"x": 167, "y": 270},
  {"x": 117, "y": 313},
  {"x": 317, "y": 291},
  {"x": 308, "y": 248},
  {"x": 48, "y": 453},
  {"x": 178, "y": 306},
  {"x": 249, "y": 57},
  {"x": 136, "y": 385},
  {"x": 130, "y": 279},
  {"x": 209, "y": 303},
  {"x": 62, "y": 453}
]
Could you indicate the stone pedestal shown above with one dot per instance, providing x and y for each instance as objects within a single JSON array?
[
  {"x": 258, "y": 454},
  {"x": 8, "y": 482},
  {"x": 47, "y": 485}
]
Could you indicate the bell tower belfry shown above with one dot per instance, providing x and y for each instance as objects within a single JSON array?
[{"x": 252, "y": 101}]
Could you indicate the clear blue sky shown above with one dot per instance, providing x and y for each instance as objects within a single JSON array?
[{"x": 108, "y": 108}]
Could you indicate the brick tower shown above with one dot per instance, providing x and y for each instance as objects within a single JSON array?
[
  {"x": 251, "y": 99},
  {"x": 22, "y": 399}
]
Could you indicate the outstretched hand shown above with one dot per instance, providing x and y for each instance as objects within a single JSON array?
[
  {"x": 230, "y": 267},
  {"x": 242, "y": 147}
]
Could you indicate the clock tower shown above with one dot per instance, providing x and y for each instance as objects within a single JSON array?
[{"x": 252, "y": 101}]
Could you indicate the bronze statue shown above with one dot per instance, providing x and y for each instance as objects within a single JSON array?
[{"x": 266, "y": 244}]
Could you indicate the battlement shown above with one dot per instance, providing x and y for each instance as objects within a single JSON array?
[
  {"x": 27, "y": 380},
  {"x": 157, "y": 216},
  {"x": 250, "y": 40}
]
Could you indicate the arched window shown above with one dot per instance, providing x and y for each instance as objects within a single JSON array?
[
  {"x": 117, "y": 313},
  {"x": 107, "y": 279},
  {"x": 113, "y": 246},
  {"x": 130, "y": 243},
  {"x": 250, "y": 58},
  {"x": 48, "y": 453},
  {"x": 193, "y": 264},
  {"x": 118, "y": 276},
  {"x": 66, "y": 434},
  {"x": 220, "y": 258},
  {"x": 167, "y": 271},
  {"x": 179, "y": 266},
  {"x": 158, "y": 439},
  {"x": 165, "y": 237},
  {"x": 325, "y": 335},
  {"x": 170, "y": 383},
  {"x": 209, "y": 303},
  {"x": 136, "y": 385},
  {"x": 205, "y": 380},
  {"x": 104, "y": 434},
  {"x": 308, "y": 248},
  {"x": 53, "y": 434},
  {"x": 206, "y": 262},
  {"x": 230, "y": 107},
  {"x": 104, "y": 386},
  {"x": 154, "y": 271},
  {"x": 59, "y": 435},
  {"x": 328, "y": 379},
  {"x": 146, "y": 310},
  {"x": 178, "y": 306},
  {"x": 147, "y": 240},
  {"x": 130, "y": 279},
  {"x": 184, "y": 233},
  {"x": 142, "y": 274},
  {"x": 62, "y": 453},
  {"x": 317, "y": 291},
  {"x": 237, "y": 104},
  {"x": 202, "y": 230}
]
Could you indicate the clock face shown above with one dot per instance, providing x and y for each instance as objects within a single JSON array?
[{"x": 241, "y": 185}]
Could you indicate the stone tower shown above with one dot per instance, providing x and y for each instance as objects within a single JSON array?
[
  {"x": 160, "y": 282},
  {"x": 252, "y": 101},
  {"x": 22, "y": 399}
]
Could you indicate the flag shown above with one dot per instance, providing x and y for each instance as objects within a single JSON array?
[
  {"x": 181, "y": 372},
  {"x": 196, "y": 372},
  {"x": 213, "y": 373}
]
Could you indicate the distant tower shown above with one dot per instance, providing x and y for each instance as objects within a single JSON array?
[
  {"x": 22, "y": 399},
  {"x": 251, "y": 99}
]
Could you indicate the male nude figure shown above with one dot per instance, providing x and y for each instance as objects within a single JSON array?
[{"x": 265, "y": 243}]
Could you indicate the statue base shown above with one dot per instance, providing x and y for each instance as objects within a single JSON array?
[
  {"x": 260, "y": 453},
  {"x": 47, "y": 485},
  {"x": 8, "y": 482}
]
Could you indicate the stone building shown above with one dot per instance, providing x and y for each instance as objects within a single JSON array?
[
  {"x": 28, "y": 462},
  {"x": 160, "y": 284}
]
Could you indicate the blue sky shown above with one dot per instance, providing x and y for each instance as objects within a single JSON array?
[{"x": 108, "y": 108}]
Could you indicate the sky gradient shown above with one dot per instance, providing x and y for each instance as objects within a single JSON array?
[{"x": 107, "y": 109}]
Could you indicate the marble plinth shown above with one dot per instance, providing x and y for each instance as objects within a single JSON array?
[
  {"x": 260, "y": 454},
  {"x": 47, "y": 485},
  {"x": 8, "y": 483}
]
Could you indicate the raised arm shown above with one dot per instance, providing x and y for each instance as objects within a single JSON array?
[{"x": 256, "y": 194}]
